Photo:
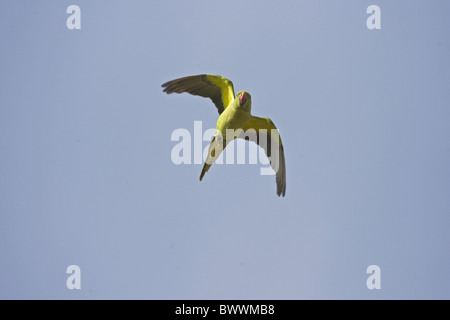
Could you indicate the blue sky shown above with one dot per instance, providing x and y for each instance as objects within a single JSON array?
[{"x": 86, "y": 176}]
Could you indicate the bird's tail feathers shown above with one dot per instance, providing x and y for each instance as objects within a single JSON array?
[
  {"x": 204, "y": 170},
  {"x": 215, "y": 149}
]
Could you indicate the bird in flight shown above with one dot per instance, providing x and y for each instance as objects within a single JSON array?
[{"x": 235, "y": 117}]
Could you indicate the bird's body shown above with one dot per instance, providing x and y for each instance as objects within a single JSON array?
[
  {"x": 234, "y": 117},
  {"x": 235, "y": 121}
]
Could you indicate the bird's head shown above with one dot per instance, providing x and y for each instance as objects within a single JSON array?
[{"x": 244, "y": 100}]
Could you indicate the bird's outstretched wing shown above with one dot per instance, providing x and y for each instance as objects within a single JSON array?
[
  {"x": 272, "y": 145},
  {"x": 219, "y": 89}
]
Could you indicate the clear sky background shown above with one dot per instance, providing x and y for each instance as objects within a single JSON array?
[{"x": 86, "y": 176}]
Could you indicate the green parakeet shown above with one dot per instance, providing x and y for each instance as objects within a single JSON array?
[{"x": 235, "y": 121}]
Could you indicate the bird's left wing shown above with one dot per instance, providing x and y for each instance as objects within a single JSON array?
[
  {"x": 219, "y": 89},
  {"x": 272, "y": 145}
]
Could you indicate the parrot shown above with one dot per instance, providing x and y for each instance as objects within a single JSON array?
[{"x": 235, "y": 121}]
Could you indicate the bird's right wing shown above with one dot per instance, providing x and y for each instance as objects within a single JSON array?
[
  {"x": 219, "y": 89},
  {"x": 272, "y": 145}
]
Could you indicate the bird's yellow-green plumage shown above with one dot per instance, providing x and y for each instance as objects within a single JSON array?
[{"x": 235, "y": 116}]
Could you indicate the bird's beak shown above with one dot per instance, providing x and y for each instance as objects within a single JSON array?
[{"x": 242, "y": 98}]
